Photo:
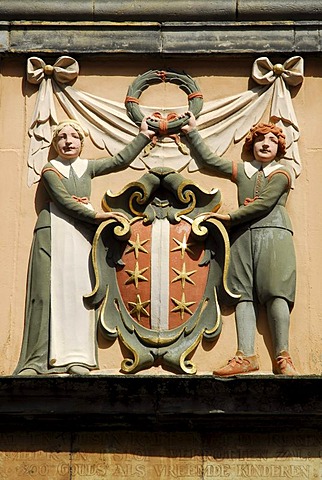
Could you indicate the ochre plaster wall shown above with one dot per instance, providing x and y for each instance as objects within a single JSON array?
[{"x": 110, "y": 78}]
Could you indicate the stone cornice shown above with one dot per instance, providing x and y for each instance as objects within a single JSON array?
[
  {"x": 169, "y": 27},
  {"x": 164, "y": 38},
  {"x": 164, "y": 11}
]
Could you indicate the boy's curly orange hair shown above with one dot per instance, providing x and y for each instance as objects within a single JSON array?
[{"x": 262, "y": 129}]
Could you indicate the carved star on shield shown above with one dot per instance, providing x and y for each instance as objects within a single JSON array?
[
  {"x": 182, "y": 306},
  {"x": 136, "y": 275},
  {"x": 183, "y": 246},
  {"x": 137, "y": 246},
  {"x": 139, "y": 308},
  {"x": 184, "y": 276}
]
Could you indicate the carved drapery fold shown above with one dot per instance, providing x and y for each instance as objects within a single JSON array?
[
  {"x": 290, "y": 74},
  {"x": 64, "y": 71},
  {"x": 226, "y": 120},
  {"x": 220, "y": 123}
]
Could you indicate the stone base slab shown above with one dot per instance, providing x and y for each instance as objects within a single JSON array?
[{"x": 168, "y": 403}]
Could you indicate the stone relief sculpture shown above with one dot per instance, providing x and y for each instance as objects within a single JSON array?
[
  {"x": 60, "y": 332},
  {"x": 262, "y": 268},
  {"x": 162, "y": 215}
]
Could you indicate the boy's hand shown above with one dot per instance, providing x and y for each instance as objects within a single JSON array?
[{"x": 191, "y": 125}]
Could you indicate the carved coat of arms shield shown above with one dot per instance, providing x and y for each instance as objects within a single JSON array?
[{"x": 159, "y": 273}]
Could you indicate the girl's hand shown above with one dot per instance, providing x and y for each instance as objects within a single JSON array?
[
  {"x": 144, "y": 128},
  {"x": 102, "y": 216}
]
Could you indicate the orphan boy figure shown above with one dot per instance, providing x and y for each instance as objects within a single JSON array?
[{"x": 262, "y": 266}]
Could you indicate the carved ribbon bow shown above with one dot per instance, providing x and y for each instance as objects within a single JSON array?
[
  {"x": 84, "y": 200},
  {"x": 163, "y": 130},
  {"x": 290, "y": 74},
  {"x": 64, "y": 71},
  {"x": 292, "y": 71}
]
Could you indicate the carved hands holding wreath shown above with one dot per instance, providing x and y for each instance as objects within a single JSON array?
[
  {"x": 173, "y": 122},
  {"x": 112, "y": 125}
]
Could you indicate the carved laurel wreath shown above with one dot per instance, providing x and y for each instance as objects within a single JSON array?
[{"x": 172, "y": 123}]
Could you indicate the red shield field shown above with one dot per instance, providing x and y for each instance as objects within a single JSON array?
[{"x": 161, "y": 283}]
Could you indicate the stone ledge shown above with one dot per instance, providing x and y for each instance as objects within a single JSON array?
[
  {"x": 106, "y": 37},
  {"x": 169, "y": 403},
  {"x": 167, "y": 38}
]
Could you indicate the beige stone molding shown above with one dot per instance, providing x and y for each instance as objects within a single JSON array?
[{"x": 220, "y": 123}]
